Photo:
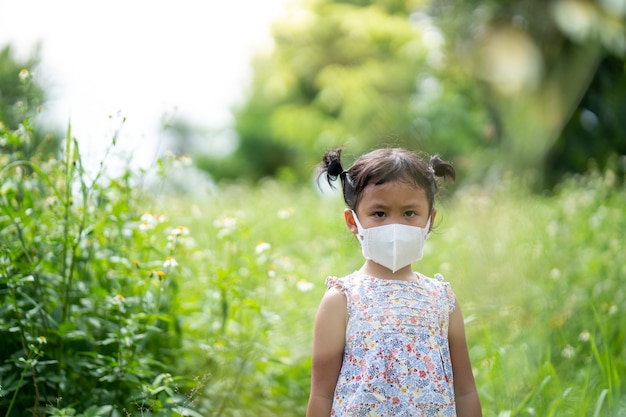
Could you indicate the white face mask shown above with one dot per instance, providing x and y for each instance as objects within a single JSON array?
[{"x": 393, "y": 246}]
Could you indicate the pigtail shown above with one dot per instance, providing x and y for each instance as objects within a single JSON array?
[
  {"x": 441, "y": 168},
  {"x": 331, "y": 166}
]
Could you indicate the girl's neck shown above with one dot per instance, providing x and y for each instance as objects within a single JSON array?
[{"x": 372, "y": 269}]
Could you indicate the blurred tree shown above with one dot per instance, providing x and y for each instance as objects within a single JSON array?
[
  {"x": 490, "y": 84},
  {"x": 20, "y": 100},
  {"x": 535, "y": 61},
  {"x": 359, "y": 73},
  {"x": 595, "y": 136}
]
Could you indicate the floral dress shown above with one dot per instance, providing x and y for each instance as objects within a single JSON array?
[{"x": 396, "y": 360}]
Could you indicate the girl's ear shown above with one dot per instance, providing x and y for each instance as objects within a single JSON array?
[{"x": 349, "y": 218}]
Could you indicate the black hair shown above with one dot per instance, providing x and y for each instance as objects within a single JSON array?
[{"x": 385, "y": 165}]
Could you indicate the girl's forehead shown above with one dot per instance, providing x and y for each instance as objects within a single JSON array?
[{"x": 395, "y": 190}]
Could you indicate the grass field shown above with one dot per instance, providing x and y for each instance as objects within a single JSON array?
[
  {"x": 540, "y": 280},
  {"x": 118, "y": 300}
]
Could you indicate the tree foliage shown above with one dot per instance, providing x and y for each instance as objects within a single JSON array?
[
  {"x": 21, "y": 99},
  {"x": 536, "y": 63},
  {"x": 491, "y": 85},
  {"x": 356, "y": 73},
  {"x": 596, "y": 132}
]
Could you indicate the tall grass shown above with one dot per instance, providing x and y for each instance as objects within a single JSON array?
[
  {"x": 540, "y": 279},
  {"x": 118, "y": 300}
]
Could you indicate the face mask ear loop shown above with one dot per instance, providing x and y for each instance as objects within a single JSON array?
[
  {"x": 395, "y": 251},
  {"x": 360, "y": 228}
]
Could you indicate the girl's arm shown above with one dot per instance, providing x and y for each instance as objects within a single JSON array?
[
  {"x": 467, "y": 401},
  {"x": 328, "y": 343}
]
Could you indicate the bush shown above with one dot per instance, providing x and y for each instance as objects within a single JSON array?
[{"x": 88, "y": 291}]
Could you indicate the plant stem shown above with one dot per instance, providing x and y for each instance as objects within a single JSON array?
[
  {"x": 66, "y": 222},
  {"x": 19, "y": 383}
]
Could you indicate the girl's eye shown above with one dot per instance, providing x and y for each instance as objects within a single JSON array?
[
  {"x": 410, "y": 214},
  {"x": 378, "y": 214}
]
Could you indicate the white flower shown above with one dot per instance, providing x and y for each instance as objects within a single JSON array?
[
  {"x": 185, "y": 160},
  {"x": 262, "y": 247},
  {"x": 555, "y": 273},
  {"x": 170, "y": 262},
  {"x": 179, "y": 231},
  {"x": 148, "y": 221},
  {"x": 148, "y": 217},
  {"x": 584, "y": 336},
  {"x": 304, "y": 286},
  {"x": 568, "y": 352},
  {"x": 226, "y": 225},
  {"x": 117, "y": 300},
  {"x": 284, "y": 213}
]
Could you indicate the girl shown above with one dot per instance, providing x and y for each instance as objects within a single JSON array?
[{"x": 389, "y": 341}]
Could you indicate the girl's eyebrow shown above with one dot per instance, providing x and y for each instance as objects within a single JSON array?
[
  {"x": 376, "y": 206},
  {"x": 380, "y": 206}
]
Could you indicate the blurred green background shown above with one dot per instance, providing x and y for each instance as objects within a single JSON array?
[{"x": 189, "y": 288}]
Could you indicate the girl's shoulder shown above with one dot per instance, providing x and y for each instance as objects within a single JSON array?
[
  {"x": 341, "y": 282},
  {"x": 436, "y": 280},
  {"x": 437, "y": 284},
  {"x": 439, "y": 277}
]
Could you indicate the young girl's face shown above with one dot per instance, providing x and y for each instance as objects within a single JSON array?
[{"x": 392, "y": 202}]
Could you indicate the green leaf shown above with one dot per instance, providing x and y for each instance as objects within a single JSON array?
[{"x": 186, "y": 412}]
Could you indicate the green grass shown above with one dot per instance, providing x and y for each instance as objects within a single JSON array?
[
  {"x": 228, "y": 330},
  {"x": 539, "y": 277}
]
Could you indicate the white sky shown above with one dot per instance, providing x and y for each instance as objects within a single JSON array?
[{"x": 139, "y": 58}]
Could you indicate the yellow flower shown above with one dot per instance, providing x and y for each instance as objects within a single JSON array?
[{"x": 42, "y": 340}]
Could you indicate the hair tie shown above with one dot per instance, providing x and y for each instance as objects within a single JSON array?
[{"x": 347, "y": 178}]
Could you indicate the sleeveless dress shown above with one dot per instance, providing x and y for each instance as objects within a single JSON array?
[{"x": 396, "y": 360}]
